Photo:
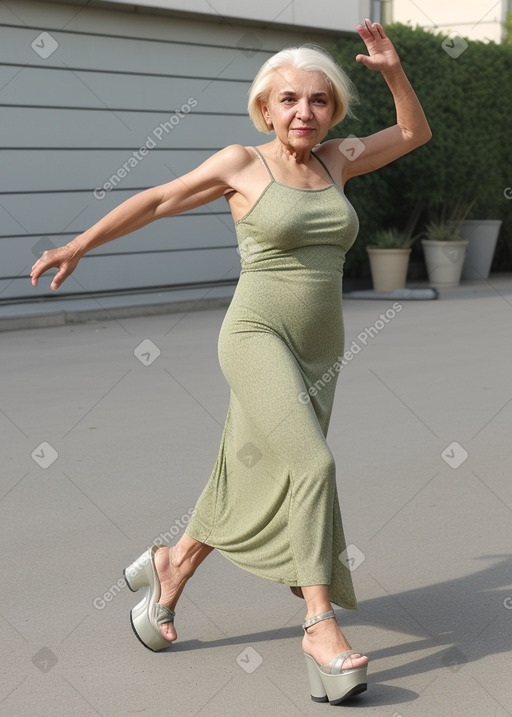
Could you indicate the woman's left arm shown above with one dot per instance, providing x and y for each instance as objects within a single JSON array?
[{"x": 411, "y": 129}]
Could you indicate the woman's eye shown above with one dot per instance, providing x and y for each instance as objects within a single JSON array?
[{"x": 288, "y": 100}]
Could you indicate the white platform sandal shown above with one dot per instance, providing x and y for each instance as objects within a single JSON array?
[
  {"x": 331, "y": 683},
  {"x": 148, "y": 614}
]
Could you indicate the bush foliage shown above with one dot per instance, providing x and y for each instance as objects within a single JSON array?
[{"x": 468, "y": 103}]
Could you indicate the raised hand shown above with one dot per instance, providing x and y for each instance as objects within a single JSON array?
[
  {"x": 63, "y": 257},
  {"x": 382, "y": 55}
]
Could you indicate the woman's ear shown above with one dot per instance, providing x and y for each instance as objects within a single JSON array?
[{"x": 265, "y": 113}]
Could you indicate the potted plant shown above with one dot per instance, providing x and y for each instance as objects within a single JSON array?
[
  {"x": 389, "y": 255},
  {"x": 482, "y": 236},
  {"x": 444, "y": 248}
]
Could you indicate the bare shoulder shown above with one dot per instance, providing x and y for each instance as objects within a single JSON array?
[
  {"x": 235, "y": 163},
  {"x": 234, "y": 157}
]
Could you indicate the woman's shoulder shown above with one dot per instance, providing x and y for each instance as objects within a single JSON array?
[
  {"x": 236, "y": 153},
  {"x": 231, "y": 160}
]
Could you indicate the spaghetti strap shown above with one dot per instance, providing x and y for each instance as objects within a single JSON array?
[
  {"x": 266, "y": 165},
  {"x": 323, "y": 165}
]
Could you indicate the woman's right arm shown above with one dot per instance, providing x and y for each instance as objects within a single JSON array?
[{"x": 210, "y": 181}]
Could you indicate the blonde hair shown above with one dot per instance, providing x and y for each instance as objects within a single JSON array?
[{"x": 312, "y": 58}]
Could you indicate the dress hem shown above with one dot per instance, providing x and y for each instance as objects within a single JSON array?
[{"x": 261, "y": 574}]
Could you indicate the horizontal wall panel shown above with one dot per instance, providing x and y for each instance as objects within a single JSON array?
[
  {"x": 49, "y": 170},
  {"x": 76, "y": 212},
  {"x": 98, "y": 52},
  {"x": 168, "y": 235},
  {"x": 97, "y": 274},
  {"x": 40, "y": 14},
  {"x": 65, "y": 128},
  {"x": 101, "y": 90}
]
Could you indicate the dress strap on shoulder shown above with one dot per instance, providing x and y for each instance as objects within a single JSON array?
[
  {"x": 264, "y": 162},
  {"x": 323, "y": 165}
]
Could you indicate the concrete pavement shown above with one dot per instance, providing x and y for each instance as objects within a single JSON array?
[{"x": 110, "y": 430}]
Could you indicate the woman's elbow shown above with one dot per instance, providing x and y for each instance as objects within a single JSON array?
[{"x": 426, "y": 135}]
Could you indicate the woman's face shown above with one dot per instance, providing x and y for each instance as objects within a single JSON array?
[{"x": 300, "y": 107}]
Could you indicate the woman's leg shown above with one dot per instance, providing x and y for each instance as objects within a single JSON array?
[
  {"x": 175, "y": 565},
  {"x": 324, "y": 640}
]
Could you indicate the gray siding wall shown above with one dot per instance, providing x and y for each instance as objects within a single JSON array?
[{"x": 81, "y": 91}]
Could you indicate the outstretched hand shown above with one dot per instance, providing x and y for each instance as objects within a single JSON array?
[
  {"x": 63, "y": 257},
  {"x": 382, "y": 55}
]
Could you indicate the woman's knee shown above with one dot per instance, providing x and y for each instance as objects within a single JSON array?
[{"x": 319, "y": 469}]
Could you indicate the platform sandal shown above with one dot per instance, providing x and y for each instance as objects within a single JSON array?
[
  {"x": 330, "y": 683},
  {"x": 148, "y": 614}
]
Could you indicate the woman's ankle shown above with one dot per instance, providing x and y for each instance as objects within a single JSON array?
[
  {"x": 317, "y": 600},
  {"x": 188, "y": 554}
]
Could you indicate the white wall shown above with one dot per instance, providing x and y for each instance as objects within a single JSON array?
[{"x": 474, "y": 19}]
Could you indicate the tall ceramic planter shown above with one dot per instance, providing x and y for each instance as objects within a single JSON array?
[
  {"x": 444, "y": 260},
  {"x": 388, "y": 267},
  {"x": 482, "y": 236}
]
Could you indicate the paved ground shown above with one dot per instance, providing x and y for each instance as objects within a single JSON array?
[{"x": 106, "y": 446}]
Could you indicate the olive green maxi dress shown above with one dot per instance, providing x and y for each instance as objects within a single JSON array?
[{"x": 271, "y": 503}]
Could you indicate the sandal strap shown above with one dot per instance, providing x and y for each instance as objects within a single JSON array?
[
  {"x": 335, "y": 665},
  {"x": 318, "y": 618},
  {"x": 163, "y": 614}
]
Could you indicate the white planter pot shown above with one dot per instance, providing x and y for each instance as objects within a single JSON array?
[
  {"x": 482, "y": 235},
  {"x": 444, "y": 260},
  {"x": 388, "y": 267}
]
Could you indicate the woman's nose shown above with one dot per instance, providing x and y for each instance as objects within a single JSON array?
[{"x": 303, "y": 109}]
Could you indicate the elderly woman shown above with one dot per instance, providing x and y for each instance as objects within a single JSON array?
[{"x": 271, "y": 503}]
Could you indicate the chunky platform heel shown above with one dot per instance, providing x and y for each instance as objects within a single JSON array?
[
  {"x": 330, "y": 683},
  {"x": 148, "y": 614}
]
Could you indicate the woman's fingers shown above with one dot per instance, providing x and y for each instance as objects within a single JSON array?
[
  {"x": 36, "y": 271},
  {"x": 58, "y": 279},
  {"x": 379, "y": 31},
  {"x": 59, "y": 258},
  {"x": 381, "y": 55},
  {"x": 364, "y": 59},
  {"x": 41, "y": 265},
  {"x": 371, "y": 31},
  {"x": 364, "y": 31}
]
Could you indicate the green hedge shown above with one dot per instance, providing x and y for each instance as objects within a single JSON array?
[{"x": 468, "y": 103}]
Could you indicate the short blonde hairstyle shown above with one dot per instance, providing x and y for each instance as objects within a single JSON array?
[{"x": 312, "y": 58}]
